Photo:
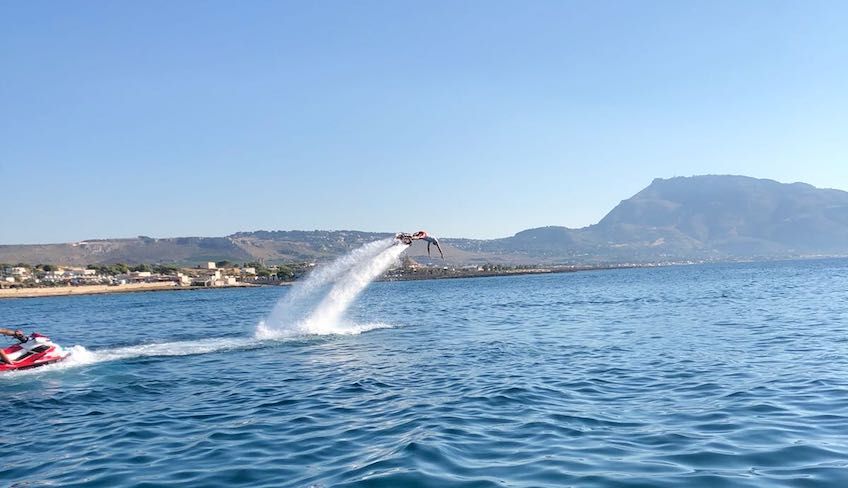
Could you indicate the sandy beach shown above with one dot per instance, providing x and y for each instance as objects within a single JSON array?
[{"x": 96, "y": 289}]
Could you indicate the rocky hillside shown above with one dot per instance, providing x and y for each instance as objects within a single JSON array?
[
  {"x": 721, "y": 217},
  {"x": 700, "y": 217}
]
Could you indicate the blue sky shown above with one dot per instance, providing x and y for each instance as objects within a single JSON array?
[{"x": 472, "y": 119}]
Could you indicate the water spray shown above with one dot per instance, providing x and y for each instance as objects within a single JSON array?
[{"x": 317, "y": 305}]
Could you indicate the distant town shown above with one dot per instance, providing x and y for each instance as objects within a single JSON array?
[
  {"x": 208, "y": 274},
  {"x": 20, "y": 280}
]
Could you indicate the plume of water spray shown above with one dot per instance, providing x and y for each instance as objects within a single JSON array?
[
  {"x": 330, "y": 273},
  {"x": 316, "y": 305},
  {"x": 327, "y": 316},
  {"x": 301, "y": 298}
]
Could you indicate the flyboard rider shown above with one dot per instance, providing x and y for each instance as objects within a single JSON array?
[{"x": 420, "y": 235}]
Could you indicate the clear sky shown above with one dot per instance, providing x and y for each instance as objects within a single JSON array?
[{"x": 468, "y": 119}]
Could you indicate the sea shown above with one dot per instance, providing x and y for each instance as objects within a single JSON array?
[{"x": 701, "y": 375}]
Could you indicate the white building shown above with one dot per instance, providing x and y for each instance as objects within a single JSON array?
[
  {"x": 184, "y": 280},
  {"x": 20, "y": 271}
]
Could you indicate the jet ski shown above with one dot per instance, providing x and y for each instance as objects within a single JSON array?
[{"x": 36, "y": 350}]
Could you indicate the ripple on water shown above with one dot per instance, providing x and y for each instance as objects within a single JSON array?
[{"x": 698, "y": 376}]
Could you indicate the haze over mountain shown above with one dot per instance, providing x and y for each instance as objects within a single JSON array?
[
  {"x": 699, "y": 217},
  {"x": 720, "y": 217},
  {"x": 733, "y": 215}
]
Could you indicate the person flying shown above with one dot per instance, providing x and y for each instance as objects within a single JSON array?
[{"x": 422, "y": 235}]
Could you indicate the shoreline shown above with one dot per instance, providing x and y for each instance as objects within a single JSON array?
[
  {"x": 57, "y": 291},
  {"x": 424, "y": 275},
  {"x": 492, "y": 274},
  {"x": 62, "y": 291}
]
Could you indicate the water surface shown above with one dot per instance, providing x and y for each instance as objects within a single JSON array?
[{"x": 716, "y": 375}]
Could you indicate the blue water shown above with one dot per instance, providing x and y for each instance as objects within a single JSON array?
[{"x": 714, "y": 375}]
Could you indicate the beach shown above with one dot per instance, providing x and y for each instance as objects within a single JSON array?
[{"x": 99, "y": 289}]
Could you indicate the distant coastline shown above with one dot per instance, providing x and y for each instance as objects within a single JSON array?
[
  {"x": 396, "y": 275},
  {"x": 428, "y": 273},
  {"x": 698, "y": 218},
  {"x": 56, "y": 291}
]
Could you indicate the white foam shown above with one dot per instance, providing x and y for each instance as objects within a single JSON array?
[
  {"x": 265, "y": 333},
  {"x": 80, "y": 356},
  {"x": 178, "y": 348},
  {"x": 300, "y": 300},
  {"x": 317, "y": 306}
]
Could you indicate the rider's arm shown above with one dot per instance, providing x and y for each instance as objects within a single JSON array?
[{"x": 12, "y": 333}]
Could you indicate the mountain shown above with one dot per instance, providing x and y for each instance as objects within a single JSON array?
[
  {"x": 718, "y": 217},
  {"x": 182, "y": 250},
  {"x": 736, "y": 215},
  {"x": 699, "y": 217}
]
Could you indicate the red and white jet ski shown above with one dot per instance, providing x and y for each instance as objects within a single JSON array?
[{"x": 36, "y": 351}]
